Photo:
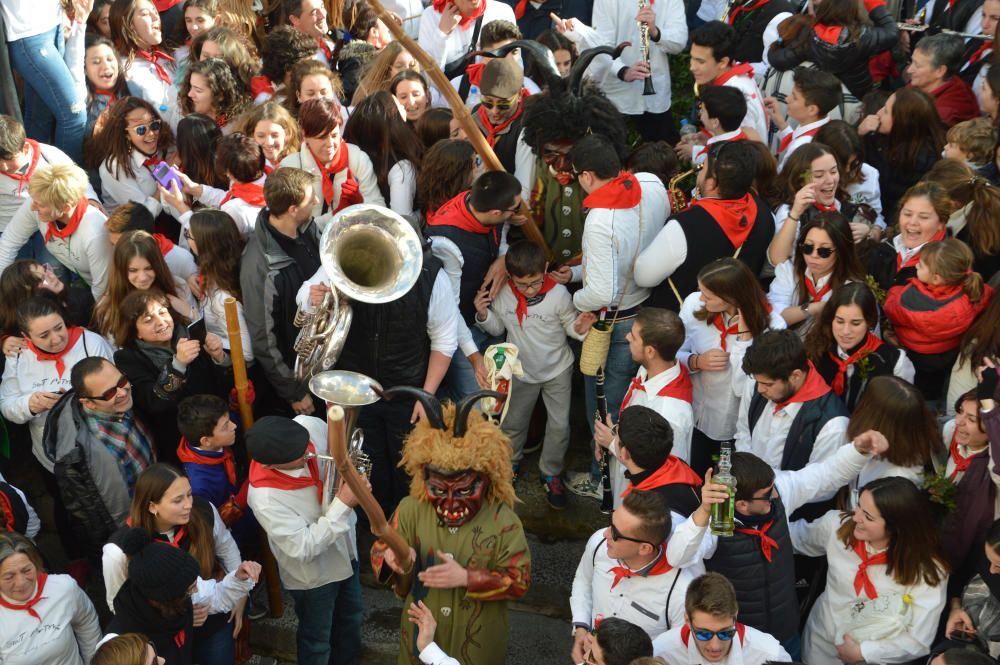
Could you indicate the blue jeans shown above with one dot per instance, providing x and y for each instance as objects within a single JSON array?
[
  {"x": 217, "y": 647},
  {"x": 460, "y": 380},
  {"x": 618, "y": 372},
  {"x": 793, "y": 645},
  {"x": 329, "y": 631},
  {"x": 52, "y": 112}
]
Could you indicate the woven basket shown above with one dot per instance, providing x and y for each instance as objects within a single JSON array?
[{"x": 594, "y": 353}]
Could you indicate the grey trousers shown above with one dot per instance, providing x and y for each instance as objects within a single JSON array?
[{"x": 556, "y": 396}]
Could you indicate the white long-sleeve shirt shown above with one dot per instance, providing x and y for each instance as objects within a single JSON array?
[
  {"x": 447, "y": 47},
  {"x": 654, "y": 603},
  {"x": 615, "y": 23},
  {"x": 611, "y": 238},
  {"x": 120, "y": 188},
  {"x": 402, "y": 187},
  {"x": 784, "y": 291},
  {"x": 180, "y": 262},
  {"x": 27, "y": 18},
  {"x": 361, "y": 168},
  {"x": 541, "y": 337},
  {"x": 869, "y": 192},
  {"x": 214, "y": 310},
  {"x": 86, "y": 252},
  {"x": 767, "y": 440},
  {"x": 801, "y": 135},
  {"x": 452, "y": 262},
  {"x": 716, "y": 394},
  {"x": 66, "y": 631},
  {"x": 830, "y": 616},
  {"x": 144, "y": 81},
  {"x": 754, "y": 648},
  {"x": 25, "y": 375},
  {"x": 14, "y": 190},
  {"x": 756, "y": 117}
]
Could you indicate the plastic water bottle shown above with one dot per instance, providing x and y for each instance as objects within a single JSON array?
[
  {"x": 472, "y": 101},
  {"x": 687, "y": 127}
]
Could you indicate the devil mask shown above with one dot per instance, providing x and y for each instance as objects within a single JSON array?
[{"x": 456, "y": 495}]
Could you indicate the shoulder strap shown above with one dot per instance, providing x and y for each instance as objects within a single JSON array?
[
  {"x": 474, "y": 44},
  {"x": 757, "y": 403},
  {"x": 464, "y": 86},
  {"x": 666, "y": 614},
  {"x": 593, "y": 557}
]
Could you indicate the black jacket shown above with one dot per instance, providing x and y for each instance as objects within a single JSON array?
[
  {"x": 847, "y": 59},
  {"x": 750, "y": 25},
  {"x": 895, "y": 178},
  {"x": 172, "y": 637}
]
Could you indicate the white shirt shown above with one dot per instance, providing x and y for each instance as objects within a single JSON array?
[
  {"x": 25, "y": 374},
  {"x": 756, "y": 117},
  {"x": 654, "y": 603},
  {"x": 829, "y": 617},
  {"x": 452, "y": 262},
  {"x": 312, "y": 547},
  {"x": 699, "y": 153},
  {"x": 756, "y": 648},
  {"x": 27, "y": 18},
  {"x": 611, "y": 239},
  {"x": 86, "y": 252},
  {"x": 801, "y": 135},
  {"x": 14, "y": 191},
  {"x": 615, "y": 23},
  {"x": 114, "y": 564},
  {"x": 868, "y": 191},
  {"x": 447, "y": 47},
  {"x": 716, "y": 394},
  {"x": 402, "y": 187},
  {"x": 361, "y": 168},
  {"x": 119, "y": 188},
  {"x": 143, "y": 81},
  {"x": 180, "y": 263},
  {"x": 409, "y": 11},
  {"x": 767, "y": 441},
  {"x": 541, "y": 337},
  {"x": 66, "y": 632},
  {"x": 214, "y": 311},
  {"x": 784, "y": 291},
  {"x": 244, "y": 214},
  {"x": 947, "y": 432}
]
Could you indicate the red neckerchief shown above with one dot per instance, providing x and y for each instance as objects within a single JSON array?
[
  {"x": 350, "y": 191},
  {"x": 741, "y": 631},
  {"x": 7, "y": 510},
  {"x": 154, "y": 59},
  {"x": 745, "y": 10},
  {"x": 814, "y": 386},
  {"x": 466, "y": 21},
  {"x": 522, "y": 6},
  {"x": 826, "y": 208},
  {"x": 861, "y": 580},
  {"x": 29, "y": 606},
  {"x": 767, "y": 543},
  {"x": 74, "y": 221},
  {"x": 828, "y": 33},
  {"x": 22, "y": 180},
  {"x": 221, "y": 121},
  {"x": 817, "y": 296},
  {"x": 110, "y": 94},
  {"x": 915, "y": 259},
  {"x": 187, "y": 454},
  {"x": 456, "y": 213},
  {"x": 491, "y": 131},
  {"x": 981, "y": 52},
  {"x": 174, "y": 542},
  {"x": 151, "y": 161},
  {"x": 621, "y": 193},
  {"x": 724, "y": 332},
  {"x": 703, "y": 149},
  {"x": 742, "y": 69},
  {"x": 735, "y": 216},
  {"x": 259, "y": 85},
  {"x": 673, "y": 472},
  {"x": 248, "y": 192},
  {"x": 179, "y": 638},
  {"x": 961, "y": 463},
  {"x": 325, "y": 48},
  {"x": 785, "y": 142},
  {"x": 660, "y": 567},
  {"x": 263, "y": 477},
  {"x": 872, "y": 343},
  {"x": 75, "y": 332},
  {"x": 680, "y": 388},
  {"x": 522, "y": 303},
  {"x": 475, "y": 71},
  {"x": 164, "y": 243}
]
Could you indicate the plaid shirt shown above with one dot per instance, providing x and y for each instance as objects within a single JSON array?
[{"x": 126, "y": 438}]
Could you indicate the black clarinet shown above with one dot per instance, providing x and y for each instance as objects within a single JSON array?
[{"x": 607, "y": 501}]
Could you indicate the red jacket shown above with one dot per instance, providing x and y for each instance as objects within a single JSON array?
[
  {"x": 931, "y": 319},
  {"x": 955, "y": 101}
]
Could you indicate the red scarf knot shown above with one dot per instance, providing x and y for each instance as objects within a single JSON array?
[
  {"x": 659, "y": 568},
  {"x": 621, "y": 193},
  {"x": 251, "y": 193},
  {"x": 154, "y": 58},
  {"x": 725, "y": 331},
  {"x": 961, "y": 463},
  {"x": 814, "y": 295},
  {"x": 29, "y": 606},
  {"x": 522, "y": 303},
  {"x": 915, "y": 259},
  {"x": 110, "y": 94},
  {"x": 673, "y": 472},
  {"x": 23, "y": 180},
  {"x": 680, "y": 388},
  {"x": 456, "y": 213},
  {"x": 787, "y": 140},
  {"x": 188, "y": 455},
  {"x": 466, "y": 21},
  {"x": 260, "y": 85},
  {"x": 861, "y": 579},
  {"x": 767, "y": 543},
  {"x": 350, "y": 190},
  {"x": 164, "y": 243},
  {"x": 736, "y": 217},
  {"x": 813, "y": 387},
  {"x": 828, "y": 33},
  {"x": 839, "y": 383},
  {"x": 74, "y": 221},
  {"x": 492, "y": 133},
  {"x": 75, "y": 333}
]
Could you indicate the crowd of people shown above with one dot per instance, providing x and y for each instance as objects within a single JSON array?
[{"x": 798, "y": 276}]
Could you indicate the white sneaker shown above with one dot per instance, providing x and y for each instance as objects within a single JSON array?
[{"x": 581, "y": 484}]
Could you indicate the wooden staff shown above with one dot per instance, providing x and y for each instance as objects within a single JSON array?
[
  {"x": 461, "y": 113},
  {"x": 274, "y": 601}
]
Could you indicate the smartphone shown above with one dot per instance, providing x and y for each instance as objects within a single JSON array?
[
  {"x": 197, "y": 330},
  {"x": 166, "y": 175}
]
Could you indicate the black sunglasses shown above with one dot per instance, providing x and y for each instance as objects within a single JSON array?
[
  {"x": 616, "y": 535},
  {"x": 110, "y": 393},
  {"x": 809, "y": 249}
]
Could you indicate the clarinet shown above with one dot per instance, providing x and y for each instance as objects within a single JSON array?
[
  {"x": 647, "y": 83},
  {"x": 607, "y": 501}
]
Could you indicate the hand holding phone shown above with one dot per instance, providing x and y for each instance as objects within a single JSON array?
[{"x": 165, "y": 174}]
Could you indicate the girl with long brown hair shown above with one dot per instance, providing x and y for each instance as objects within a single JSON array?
[
  {"x": 274, "y": 129},
  {"x": 887, "y": 549},
  {"x": 213, "y": 88},
  {"x": 858, "y": 178},
  {"x": 447, "y": 171},
  {"x": 844, "y": 348},
  {"x": 721, "y": 319},
  {"x": 381, "y": 69},
  {"x": 150, "y": 68}
]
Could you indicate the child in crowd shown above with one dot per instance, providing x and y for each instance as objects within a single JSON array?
[
  {"x": 932, "y": 311},
  {"x": 814, "y": 94},
  {"x": 537, "y": 314},
  {"x": 971, "y": 141},
  {"x": 105, "y": 84}
]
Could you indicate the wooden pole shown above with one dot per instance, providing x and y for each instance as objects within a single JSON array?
[
  {"x": 274, "y": 601},
  {"x": 461, "y": 113}
]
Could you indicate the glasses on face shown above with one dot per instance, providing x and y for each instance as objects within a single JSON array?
[
  {"x": 529, "y": 285},
  {"x": 616, "y": 535},
  {"x": 111, "y": 393},
  {"x": 808, "y": 249},
  {"x": 140, "y": 130},
  {"x": 512, "y": 210},
  {"x": 500, "y": 106},
  {"x": 703, "y": 635}
]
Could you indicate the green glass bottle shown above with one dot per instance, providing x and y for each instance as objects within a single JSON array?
[{"x": 723, "y": 514}]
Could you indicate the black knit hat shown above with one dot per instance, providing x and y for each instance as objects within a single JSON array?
[
  {"x": 276, "y": 440},
  {"x": 159, "y": 571}
]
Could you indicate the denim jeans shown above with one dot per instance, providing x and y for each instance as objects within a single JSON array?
[
  {"x": 330, "y": 616},
  {"x": 618, "y": 372},
  {"x": 460, "y": 380},
  {"x": 52, "y": 112},
  {"x": 214, "y": 647}
]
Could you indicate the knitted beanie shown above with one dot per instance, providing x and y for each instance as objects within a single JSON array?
[{"x": 159, "y": 571}]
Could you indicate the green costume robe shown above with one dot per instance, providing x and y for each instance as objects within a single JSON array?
[
  {"x": 472, "y": 622},
  {"x": 559, "y": 214}
]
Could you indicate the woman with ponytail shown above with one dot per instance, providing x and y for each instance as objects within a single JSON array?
[{"x": 932, "y": 311}]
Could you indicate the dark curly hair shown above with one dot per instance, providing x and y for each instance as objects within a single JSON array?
[
  {"x": 552, "y": 117},
  {"x": 284, "y": 47},
  {"x": 229, "y": 96},
  {"x": 446, "y": 171}
]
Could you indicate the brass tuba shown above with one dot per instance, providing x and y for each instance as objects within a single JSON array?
[
  {"x": 370, "y": 254},
  {"x": 678, "y": 199}
]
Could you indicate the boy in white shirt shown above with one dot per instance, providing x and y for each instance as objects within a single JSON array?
[
  {"x": 537, "y": 313},
  {"x": 814, "y": 94}
]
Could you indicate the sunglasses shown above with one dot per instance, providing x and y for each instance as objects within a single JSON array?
[
  {"x": 616, "y": 535},
  {"x": 111, "y": 393},
  {"x": 500, "y": 106},
  {"x": 140, "y": 130},
  {"x": 705, "y": 635},
  {"x": 808, "y": 249}
]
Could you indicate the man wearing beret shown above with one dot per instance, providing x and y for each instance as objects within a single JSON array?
[
  {"x": 314, "y": 545},
  {"x": 498, "y": 115}
]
